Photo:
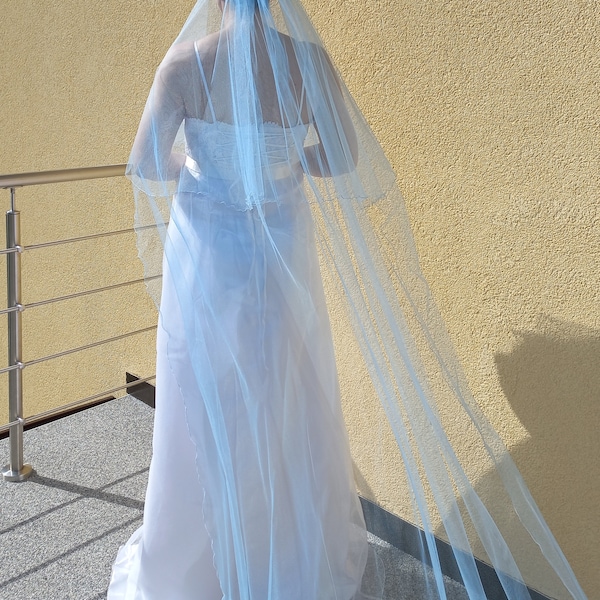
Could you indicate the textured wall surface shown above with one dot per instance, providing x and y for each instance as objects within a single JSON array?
[
  {"x": 489, "y": 113},
  {"x": 68, "y": 99}
]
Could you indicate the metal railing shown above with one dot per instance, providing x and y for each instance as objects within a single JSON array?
[{"x": 16, "y": 470}]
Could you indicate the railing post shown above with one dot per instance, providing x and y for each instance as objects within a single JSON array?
[{"x": 15, "y": 470}]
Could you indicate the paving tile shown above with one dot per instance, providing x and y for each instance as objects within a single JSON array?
[
  {"x": 60, "y": 531},
  {"x": 23, "y": 501},
  {"x": 81, "y": 575},
  {"x": 407, "y": 577},
  {"x": 133, "y": 486},
  {"x": 93, "y": 447},
  {"x": 73, "y": 527}
]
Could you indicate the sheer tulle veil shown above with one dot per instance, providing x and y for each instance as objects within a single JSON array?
[{"x": 256, "y": 70}]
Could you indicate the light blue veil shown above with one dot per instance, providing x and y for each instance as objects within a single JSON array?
[{"x": 256, "y": 177}]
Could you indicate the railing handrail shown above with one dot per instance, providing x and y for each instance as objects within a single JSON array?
[
  {"x": 60, "y": 176},
  {"x": 17, "y": 470}
]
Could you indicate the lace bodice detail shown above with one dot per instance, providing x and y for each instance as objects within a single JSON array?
[{"x": 215, "y": 163}]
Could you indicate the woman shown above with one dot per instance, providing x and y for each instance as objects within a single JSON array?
[{"x": 251, "y": 494}]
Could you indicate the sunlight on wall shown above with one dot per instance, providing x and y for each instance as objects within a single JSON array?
[{"x": 488, "y": 113}]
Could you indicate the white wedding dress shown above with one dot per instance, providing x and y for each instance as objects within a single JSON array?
[
  {"x": 251, "y": 464},
  {"x": 251, "y": 495}
]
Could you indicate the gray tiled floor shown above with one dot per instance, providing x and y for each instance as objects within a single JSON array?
[{"x": 60, "y": 531}]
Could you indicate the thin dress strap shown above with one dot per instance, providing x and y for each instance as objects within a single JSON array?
[{"x": 205, "y": 82}]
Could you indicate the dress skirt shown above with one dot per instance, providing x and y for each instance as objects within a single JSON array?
[{"x": 250, "y": 494}]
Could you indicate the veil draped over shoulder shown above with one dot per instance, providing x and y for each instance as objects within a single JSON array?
[{"x": 255, "y": 178}]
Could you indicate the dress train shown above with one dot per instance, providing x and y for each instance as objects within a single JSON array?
[{"x": 290, "y": 496}]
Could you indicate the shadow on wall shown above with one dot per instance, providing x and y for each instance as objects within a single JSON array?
[{"x": 552, "y": 381}]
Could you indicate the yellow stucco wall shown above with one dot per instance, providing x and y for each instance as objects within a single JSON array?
[
  {"x": 489, "y": 113},
  {"x": 59, "y": 93}
]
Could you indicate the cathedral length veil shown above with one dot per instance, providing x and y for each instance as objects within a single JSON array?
[{"x": 288, "y": 173}]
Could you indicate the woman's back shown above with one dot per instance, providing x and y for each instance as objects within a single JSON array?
[{"x": 210, "y": 76}]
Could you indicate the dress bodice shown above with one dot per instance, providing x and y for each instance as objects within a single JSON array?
[{"x": 218, "y": 164}]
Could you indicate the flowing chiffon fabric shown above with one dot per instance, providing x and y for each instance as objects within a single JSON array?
[
  {"x": 249, "y": 435},
  {"x": 255, "y": 174}
]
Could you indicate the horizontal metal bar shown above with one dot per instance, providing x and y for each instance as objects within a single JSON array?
[
  {"x": 85, "y": 293},
  {"x": 81, "y": 238},
  {"x": 11, "y": 368},
  {"x": 5, "y": 428},
  {"x": 6, "y": 311},
  {"x": 60, "y": 176},
  {"x": 92, "y": 236},
  {"x": 66, "y": 407},
  {"x": 78, "y": 349},
  {"x": 9, "y": 250},
  {"x": 86, "y": 347}
]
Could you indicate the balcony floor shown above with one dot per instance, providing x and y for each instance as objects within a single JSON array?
[{"x": 60, "y": 530}]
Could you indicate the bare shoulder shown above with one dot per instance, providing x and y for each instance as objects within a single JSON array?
[
  {"x": 181, "y": 61},
  {"x": 208, "y": 44},
  {"x": 207, "y": 48},
  {"x": 292, "y": 48},
  {"x": 176, "y": 62}
]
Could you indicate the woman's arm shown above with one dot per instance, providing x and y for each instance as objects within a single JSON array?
[
  {"x": 152, "y": 154},
  {"x": 337, "y": 150}
]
